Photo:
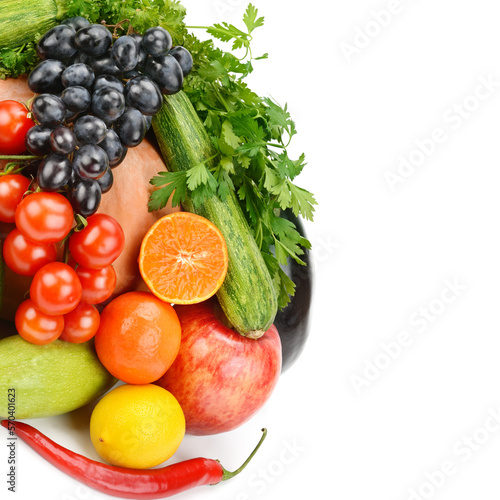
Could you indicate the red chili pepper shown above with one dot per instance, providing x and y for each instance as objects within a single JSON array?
[{"x": 120, "y": 481}]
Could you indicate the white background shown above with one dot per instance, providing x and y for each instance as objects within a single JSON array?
[{"x": 418, "y": 264}]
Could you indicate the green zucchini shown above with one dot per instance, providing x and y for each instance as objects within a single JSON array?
[
  {"x": 21, "y": 21},
  {"x": 46, "y": 380},
  {"x": 247, "y": 296}
]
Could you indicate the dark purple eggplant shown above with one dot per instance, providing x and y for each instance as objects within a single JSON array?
[{"x": 292, "y": 322}]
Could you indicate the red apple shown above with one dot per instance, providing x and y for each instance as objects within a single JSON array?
[{"x": 220, "y": 378}]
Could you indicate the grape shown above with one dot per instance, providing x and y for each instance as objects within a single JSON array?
[
  {"x": 38, "y": 140},
  {"x": 148, "y": 120},
  {"x": 108, "y": 81},
  {"x": 113, "y": 147},
  {"x": 94, "y": 39},
  {"x": 82, "y": 58},
  {"x": 106, "y": 65},
  {"x": 85, "y": 196},
  {"x": 54, "y": 172},
  {"x": 131, "y": 127},
  {"x": 128, "y": 75},
  {"x": 142, "y": 54},
  {"x": 78, "y": 74},
  {"x": 48, "y": 110},
  {"x": 183, "y": 57},
  {"x": 106, "y": 181},
  {"x": 90, "y": 161},
  {"x": 166, "y": 72},
  {"x": 125, "y": 53},
  {"x": 89, "y": 129},
  {"x": 57, "y": 43},
  {"x": 76, "y": 22},
  {"x": 156, "y": 41},
  {"x": 142, "y": 93},
  {"x": 71, "y": 116},
  {"x": 63, "y": 140},
  {"x": 46, "y": 77},
  {"x": 76, "y": 99},
  {"x": 108, "y": 104}
]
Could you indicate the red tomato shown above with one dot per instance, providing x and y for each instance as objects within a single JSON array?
[
  {"x": 97, "y": 284},
  {"x": 12, "y": 189},
  {"x": 35, "y": 326},
  {"x": 25, "y": 257},
  {"x": 81, "y": 324},
  {"x": 99, "y": 244},
  {"x": 44, "y": 217},
  {"x": 56, "y": 289},
  {"x": 14, "y": 124}
]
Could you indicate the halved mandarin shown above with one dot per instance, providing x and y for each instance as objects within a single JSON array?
[{"x": 183, "y": 258}]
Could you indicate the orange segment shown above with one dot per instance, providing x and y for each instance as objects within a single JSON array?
[{"x": 183, "y": 258}]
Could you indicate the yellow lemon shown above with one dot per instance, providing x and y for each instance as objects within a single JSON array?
[{"x": 137, "y": 426}]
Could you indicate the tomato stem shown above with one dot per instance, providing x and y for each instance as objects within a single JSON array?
[
  {"x": 228, "y": 475},
  {"x": 20, "y": 157}
]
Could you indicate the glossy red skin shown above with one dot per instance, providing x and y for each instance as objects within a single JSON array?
[
  {"x": 14, "y": 124},
  {"x": 99, "y": 244},
  {"x": 35, "y": 326},
  {"x": 220, "y": 378},
  {"x": 56, "y": 289},
  {"x": 12, "y": 189},
  {"x": 97, "y": 284},
  {"x": 44, "y": 217},
  {"x": 25, "y": 257},
  {"x": 81, "y": 324}
]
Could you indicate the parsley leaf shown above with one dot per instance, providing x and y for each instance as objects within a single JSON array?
[
  {"x": 250, "y": 19},
  {"x": 173, "y": 184}
]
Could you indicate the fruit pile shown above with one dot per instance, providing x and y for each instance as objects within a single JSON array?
[
  {"x": 96, "y": 95},
  {"x": 185, "y": 366}
]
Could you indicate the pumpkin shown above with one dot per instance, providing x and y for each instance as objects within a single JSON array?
[{"x": 127, "y": 202}]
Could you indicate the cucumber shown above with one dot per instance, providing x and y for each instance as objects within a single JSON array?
[
  {"x": 21, "y": 21},
  {"x": 42, "y": 381},
  {"x": 247, "y": 296}
]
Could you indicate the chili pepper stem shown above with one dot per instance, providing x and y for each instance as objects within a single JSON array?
[{"x": 228, "y": 474}]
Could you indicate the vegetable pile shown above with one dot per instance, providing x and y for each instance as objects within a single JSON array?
[
  {"x": 195, "y": 343},
  {"x": 250, "y": 133}
]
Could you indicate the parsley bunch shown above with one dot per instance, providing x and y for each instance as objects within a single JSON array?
[{"x": 251, "y": 135}]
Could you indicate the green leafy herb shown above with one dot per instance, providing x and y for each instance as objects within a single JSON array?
[{"x": 251, "y": 135}]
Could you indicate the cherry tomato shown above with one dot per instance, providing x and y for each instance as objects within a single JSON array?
[
  {"x": 99, "y": 244},
  {"x": 14, "y": 124},
  {"x": 56, "y": 289},
  {"x": 25, "y": 257},
  {"x": 44, "y": 217},
  {"x": 12, "y": 189},
  {"x": 97, "y": 284},
  {"x": 81, "y": 324},
  {"x": 35, "y": 326}
]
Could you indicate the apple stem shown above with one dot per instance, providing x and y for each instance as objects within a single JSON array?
[{"x": 228, "y": 475}]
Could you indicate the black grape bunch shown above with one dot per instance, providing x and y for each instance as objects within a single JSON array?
[{"x": 96, "y": 96}]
